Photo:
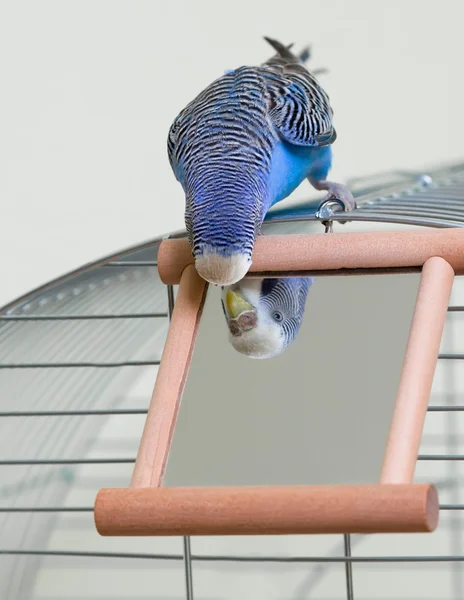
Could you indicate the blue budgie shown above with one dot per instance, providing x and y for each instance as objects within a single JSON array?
[
  {"x": 244, "y": 143},
  {"x": 265, "y": 315}
]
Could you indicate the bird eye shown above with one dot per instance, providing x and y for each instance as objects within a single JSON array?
[{"x": 277, "y": 316}]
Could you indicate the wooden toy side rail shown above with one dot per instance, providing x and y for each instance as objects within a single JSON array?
[{"x": 393, "y": 505}]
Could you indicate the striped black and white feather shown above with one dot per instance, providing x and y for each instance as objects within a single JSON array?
[{"x": 298, "y": 106}]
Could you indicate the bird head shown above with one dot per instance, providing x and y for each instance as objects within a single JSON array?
[{"x": 265, "y": 315}]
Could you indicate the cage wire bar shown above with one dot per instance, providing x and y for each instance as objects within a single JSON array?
[
  {"x": 325, "y": 214},
  {"x": 93, "y": 298}
]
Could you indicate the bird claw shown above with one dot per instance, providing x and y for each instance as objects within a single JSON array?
[
  {"x": 337, "y": 193},
  {"x": 341, "y": 194}
]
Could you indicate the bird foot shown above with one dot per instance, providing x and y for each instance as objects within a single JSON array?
[{"x": 340, "y": 193}]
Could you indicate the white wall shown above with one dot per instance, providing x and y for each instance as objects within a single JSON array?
[{"x": 88, "y": 90}]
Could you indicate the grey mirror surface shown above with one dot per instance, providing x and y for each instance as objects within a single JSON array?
[{"x": 319, "y": 413}]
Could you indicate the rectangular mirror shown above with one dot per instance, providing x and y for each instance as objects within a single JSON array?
[{"x": 318, "y": 413}]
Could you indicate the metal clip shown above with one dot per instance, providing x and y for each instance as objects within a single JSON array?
[
  {"x": 326, "y": 212},
  {"x": 425, "y": 180}
]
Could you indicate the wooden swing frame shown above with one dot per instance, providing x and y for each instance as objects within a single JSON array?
[{"x": 395, "y": 504}]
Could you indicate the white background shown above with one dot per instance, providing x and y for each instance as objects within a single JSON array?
[{"x": 88, "y": 90}]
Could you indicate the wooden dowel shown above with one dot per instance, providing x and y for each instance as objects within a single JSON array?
[
  {"x": 368, "y": 250},
  {"x": 267, "y": 510},
  {"x": 175, "y": 362},
  {"x": 418, "y": 371}
]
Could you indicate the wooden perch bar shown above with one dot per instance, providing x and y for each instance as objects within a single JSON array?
[
  {"x": 418, "y": 370},
  {"x": 267, "y": 510},
  {"x": 318, "y": 252},
  {"x": 175, "y": 362}
]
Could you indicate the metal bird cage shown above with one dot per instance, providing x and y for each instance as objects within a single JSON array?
[{"x": 78, "y": 361}]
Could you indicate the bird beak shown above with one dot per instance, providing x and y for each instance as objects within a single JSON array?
[
  {"x": 236, "y": 304},
  {"x": 241, "y": 314}
]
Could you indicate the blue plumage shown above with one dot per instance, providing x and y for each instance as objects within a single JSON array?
[
  {"x": 246, "y": 142},
  {"x": 290, "y": 165}
]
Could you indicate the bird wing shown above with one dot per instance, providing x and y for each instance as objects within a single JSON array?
[
  {"x": 298, "y": 107},
  {"x": 176, "y": 139}
]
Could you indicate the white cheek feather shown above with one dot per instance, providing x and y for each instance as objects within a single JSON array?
[{"x": 264, "y": 341}]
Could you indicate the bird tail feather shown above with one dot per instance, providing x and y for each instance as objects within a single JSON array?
[{"x": 285, "y": 53}]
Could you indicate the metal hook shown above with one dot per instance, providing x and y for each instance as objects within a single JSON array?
[
  {"x": 425, "y": 180},
  {"x": 326, "y": 212}
]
